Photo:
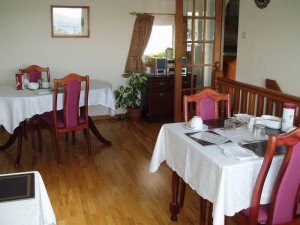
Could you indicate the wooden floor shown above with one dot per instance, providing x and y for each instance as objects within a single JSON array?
[{"x": 114, "y": 186}]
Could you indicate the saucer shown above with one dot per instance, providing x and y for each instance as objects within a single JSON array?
[{"x": 204, "y": 127}]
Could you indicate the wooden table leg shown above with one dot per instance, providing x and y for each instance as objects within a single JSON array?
[
  {"x": 174, "y": 207},
  {"x": 12, "y": 138},
  {"x": 18, "y": 133},
  {"x": 20, "y": 137},
  {"x": 95, "y": 131}
]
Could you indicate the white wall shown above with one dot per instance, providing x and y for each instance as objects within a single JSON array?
[
  {"x": 272, "y": 47},
  {"x": 25, "y": 38}
]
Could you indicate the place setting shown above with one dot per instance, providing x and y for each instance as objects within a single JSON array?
[
  {"x": 40, "y": 87},
  {"x": 204, "y": 134}
]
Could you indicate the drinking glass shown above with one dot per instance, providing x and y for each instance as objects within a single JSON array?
[
  {"x": 229, "y": 126},
  {"x": 259, "y": 128}
]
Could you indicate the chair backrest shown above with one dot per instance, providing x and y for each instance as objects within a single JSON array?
[
  {"x": 207, "y": 104},
  {"x": 35, "y": 72},
  {"x": 74, "y": 115},
  {"x": 286, "y": 190}
]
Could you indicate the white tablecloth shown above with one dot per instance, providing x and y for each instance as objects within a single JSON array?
[
  {"x": 16, "y": 106},
  {"x": 224, "y": 181},
  {"x": 33, "y": 211}
]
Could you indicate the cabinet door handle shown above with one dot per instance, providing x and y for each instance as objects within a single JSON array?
[
  {"x": 162, "y": 83},
  {"x": 162, "y": 94}
]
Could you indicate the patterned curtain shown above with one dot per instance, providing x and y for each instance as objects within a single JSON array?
[{"x": 139, "y": 40}]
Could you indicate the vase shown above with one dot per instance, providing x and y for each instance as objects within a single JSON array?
[{"x": 134, "y": 114}]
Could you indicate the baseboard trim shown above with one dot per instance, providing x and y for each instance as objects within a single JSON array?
[{"x": 105, "y": 117}]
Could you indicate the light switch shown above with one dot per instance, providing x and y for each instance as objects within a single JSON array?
[{"x": 244, "y": 35}]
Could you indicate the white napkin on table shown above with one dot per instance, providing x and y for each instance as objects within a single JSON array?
[
  {"x": 42, "y": 91},
  {"x": 237, "y": 152}
]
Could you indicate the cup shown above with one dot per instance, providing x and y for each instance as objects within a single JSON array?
[
  {"x": 196, "y": 123},
  {"x": 251, "y": 123},
  {"x": 45, "y": 84},
  {"x": 259, "y": 128},
  {"x": 25, "y": 81},
  {"x": 229, "y": 126}
]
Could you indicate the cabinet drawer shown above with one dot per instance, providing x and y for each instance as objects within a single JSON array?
[
  {"x": 160, "y": 83},
  {"x": 161, "y": 102}
]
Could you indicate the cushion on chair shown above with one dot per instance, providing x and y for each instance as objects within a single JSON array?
[
  {"x": 283, "y": 209},
  {"x": 262, "y": 214},
  {"x": 71, "y": 107},
  {"x": 48, "y": 118},
  {"x": 34, "y": 76},
  {"x": 209, "y": 105}
]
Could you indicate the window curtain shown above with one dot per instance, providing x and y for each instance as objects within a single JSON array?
[{"x": 139, "y": 40}]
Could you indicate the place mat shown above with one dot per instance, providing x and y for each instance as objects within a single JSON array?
[
  {"x": 16, "y": 187},
  {"x": 214, "y": 123},
  {"x": 219, "y": 123},
  {"x": 207, "y": 138},
  {"x": 261, "y": 147}
]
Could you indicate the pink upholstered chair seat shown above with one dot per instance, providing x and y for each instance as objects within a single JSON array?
[{"x": 48, "y": 118}]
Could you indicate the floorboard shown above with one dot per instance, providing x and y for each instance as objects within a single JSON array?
[{"x": 114, "y": 186}]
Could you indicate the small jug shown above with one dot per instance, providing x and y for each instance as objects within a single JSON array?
[{"x": 196, "y": 123}]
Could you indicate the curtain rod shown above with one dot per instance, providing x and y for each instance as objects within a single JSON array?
[{"x": 162, "y": 14}]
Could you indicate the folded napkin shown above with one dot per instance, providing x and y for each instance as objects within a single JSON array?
[
  {"x": 210, "y": 137},
  {"x": 237, "y": 152},
  {"x": 42, "y": 91}
]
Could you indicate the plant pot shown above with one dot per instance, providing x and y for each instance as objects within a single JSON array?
[{"x": 134, "y": 114}]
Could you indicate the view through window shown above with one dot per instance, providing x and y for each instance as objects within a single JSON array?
[
  {"x": 162, "y": 35},
  {"x": 160, "y": 39}
]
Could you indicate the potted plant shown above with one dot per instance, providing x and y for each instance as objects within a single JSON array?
[{"x": 129, "y": 97}]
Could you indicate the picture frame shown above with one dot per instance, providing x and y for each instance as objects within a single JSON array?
[{"x": 70, "y": 21}]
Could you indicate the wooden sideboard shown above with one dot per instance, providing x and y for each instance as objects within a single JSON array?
[{"x": 158, "y": 100}]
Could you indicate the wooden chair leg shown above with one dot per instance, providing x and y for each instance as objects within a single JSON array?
[
  {"x": 66, "y": 137},
  {"x": 40, "y": 138},
  {"x": 32, "y": 139},
  {"x": 56, "y": 137},
  {"x": 88, "y": 141},
  {"x": 182, "y": 192},
  {"x": 73, "y": 137}
]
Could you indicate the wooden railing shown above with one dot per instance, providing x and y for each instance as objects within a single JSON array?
[{"x": 254, "y": 100}]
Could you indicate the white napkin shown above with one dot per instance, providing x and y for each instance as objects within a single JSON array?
[
  {"x": 237, "y": 152},
  {"x": 42, "y": 91}
]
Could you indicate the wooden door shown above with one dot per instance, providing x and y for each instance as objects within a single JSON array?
[{"x": 197, "y": 45}]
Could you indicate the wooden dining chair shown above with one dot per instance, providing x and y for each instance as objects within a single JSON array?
[
  {"x": 208, "y": 104},
  {"x": 285, "y": 195},
  {"x": 35, "y": 72},
  {"x": 72, "y": 117}
]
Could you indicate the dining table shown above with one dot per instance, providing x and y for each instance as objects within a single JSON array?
[
  {"x": 18, "y": 105},
  {"x": 215, "y": 175},
  {"x": 33, "y": 208}
]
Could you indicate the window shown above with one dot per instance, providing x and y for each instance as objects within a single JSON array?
[
  {"x": 160, "y": 39},
  {"x": 162, "y": 35}
]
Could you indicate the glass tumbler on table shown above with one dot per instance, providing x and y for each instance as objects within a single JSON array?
[
  {"x": 259, "y": 128},
  {"x": 229, "y": 126}
]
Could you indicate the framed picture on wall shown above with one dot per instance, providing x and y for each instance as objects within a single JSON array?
[{"x": 70, "y": 21}]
